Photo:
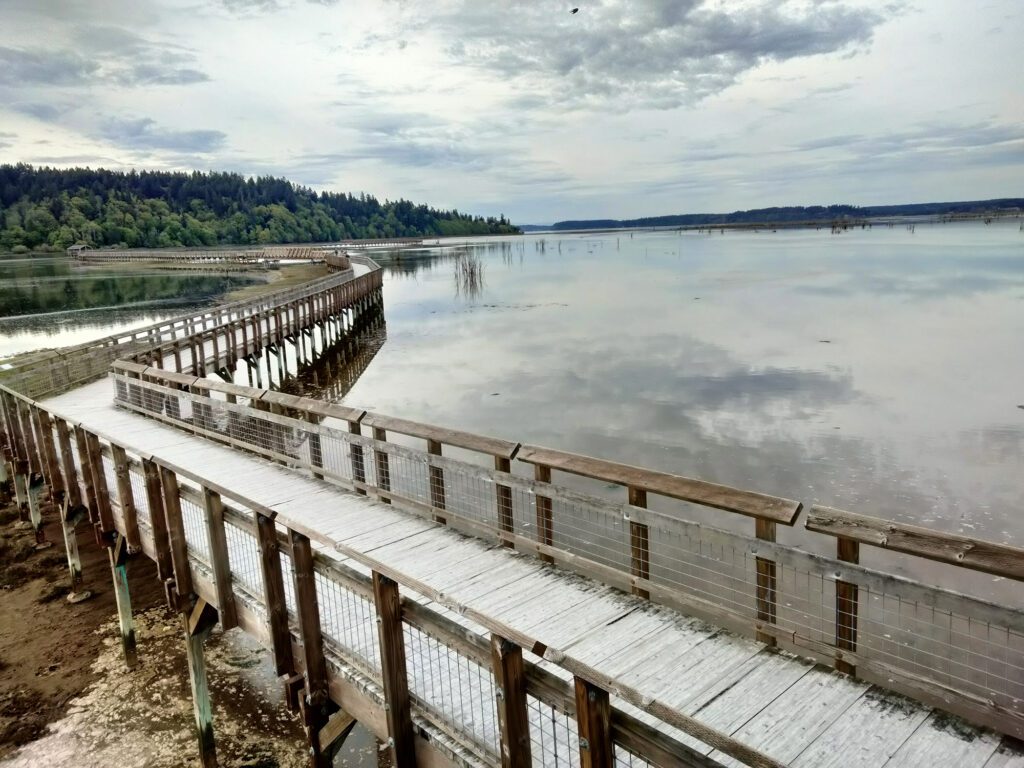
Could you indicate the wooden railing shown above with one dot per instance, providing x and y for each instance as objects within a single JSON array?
[
  {"x": 55, "y": 371},
  {"x": 227, "y": 558},
  {"x": 961, "y": 653}
]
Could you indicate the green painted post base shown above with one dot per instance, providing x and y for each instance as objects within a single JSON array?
[
  {"x": 197, "y": 629},
  {"x": 119, "y": 569},
  {"x": 68, "y": 521}
]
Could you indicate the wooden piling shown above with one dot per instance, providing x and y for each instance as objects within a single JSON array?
[{"x": 118, "y": 554}]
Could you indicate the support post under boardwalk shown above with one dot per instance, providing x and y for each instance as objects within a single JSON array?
[
  {"x": 197, "y": 629},
  {"x": 507, "y": 661},
  {"x": 154, "y": 495},
  {"x": 69, "y": 518},
  {"x": 119, "y": 569},
  {"x": 847, "y": 599},
  {"x": 392, "y": 662},
  {"x": 593, "y": 719},
  {"x": 765, "y": 530}
]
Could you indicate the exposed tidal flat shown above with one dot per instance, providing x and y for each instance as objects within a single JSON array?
[{"x": 876, "y": 370}]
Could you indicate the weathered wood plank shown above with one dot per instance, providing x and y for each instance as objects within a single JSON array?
[
  {"x": 943, "y": 740},
  {"x": 867, "y": 735},
  {"x": 701, "y": 492},
  {"x": 978, "y": 555},
  {"x": 126, "y": 497}
]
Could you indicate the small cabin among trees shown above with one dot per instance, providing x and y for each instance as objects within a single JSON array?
[{"x": 77, "y": 250}]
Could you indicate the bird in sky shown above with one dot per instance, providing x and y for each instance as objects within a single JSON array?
[{"x": 575, "y": 10}]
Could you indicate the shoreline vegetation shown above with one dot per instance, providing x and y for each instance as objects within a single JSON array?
[
  {"x": 49, "y": 209},
  {"x": 803, "y": 217}
]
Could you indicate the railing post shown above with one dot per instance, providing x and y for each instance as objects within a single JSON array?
[
  {"x": 383, "y": 468},
  {"x": 274, "y": 596},
  {"x": 545, "y": 522},
  {"x": 356, "y": 452},
  {"x": 316, "y": 706},
  {"x": 766, "y": 594},
  {"x": 126, "y": 497},
  {"x": 157, "y": 520},
  {"x": 593, "y": 719},
  {"x": 104, "y": 513},
  {"x": 176, "y": 537},
  {"x": 510, "y": 692},
  {"x": 847, "y": 598},
  {"x": 437, "y": 499},
  {"x": 71, "y": 513},
  {"x": 392, "y": 661},
  {"x": 506, "y": 523},
  {"x": 85, "y": 465},
  {"x": 220, "y": 560},
  {"x": 639, "y": 543}
]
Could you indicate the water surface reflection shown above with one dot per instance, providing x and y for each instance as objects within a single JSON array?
[{"x": 876, "y": 370}]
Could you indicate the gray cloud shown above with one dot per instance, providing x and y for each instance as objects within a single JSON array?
[
  {"x": 46, "y": 112},
  {"x": 143, "y": 133},
  {"x": 659, "y": 54},
  {"x": 105, "y": 55},
  {"x": 20, "y": 68},
  {"x": 5, "y": 139}
]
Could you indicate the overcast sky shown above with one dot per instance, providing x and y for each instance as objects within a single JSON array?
[{"x": 627, "y": 108}]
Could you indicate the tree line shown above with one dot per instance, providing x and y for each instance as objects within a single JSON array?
[{"x": 52, "y": 208}]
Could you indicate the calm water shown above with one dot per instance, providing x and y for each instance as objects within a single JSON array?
[
  {"x": 53, "y": 301},
  {"x": 879, "y": 371}
]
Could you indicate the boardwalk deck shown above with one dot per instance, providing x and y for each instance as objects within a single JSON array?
[{"x": 773, "y": 701}]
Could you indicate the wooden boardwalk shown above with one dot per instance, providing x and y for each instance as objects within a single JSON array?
[
  {"x": 452, "y": 593},
  {"x": 788, "y": 708}
]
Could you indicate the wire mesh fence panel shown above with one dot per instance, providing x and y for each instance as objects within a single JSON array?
[
  {"x": 554, "y": 738},
  {"x": 348, "y": 622},
  {"x": 626, "y": 759},
  {"x": 140, "y": 497},
  {"x": 452, "y": 689},
  {"x": 973, "y": 655},
  {"x": 110, "y": 476},
  {"x": 244, "y": 556},
  {"x": 197, "y": 533}
]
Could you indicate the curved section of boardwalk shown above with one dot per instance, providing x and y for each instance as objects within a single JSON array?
[{"x": 481, "y": 616}]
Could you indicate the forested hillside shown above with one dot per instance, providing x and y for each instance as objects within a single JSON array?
[{"x": 51, "y": 208}]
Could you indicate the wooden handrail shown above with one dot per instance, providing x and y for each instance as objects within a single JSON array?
[
  {"x": 491, "y": 446},
  {"x": 976, "y": 554},
  {"x": 701, "y": 492}
]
